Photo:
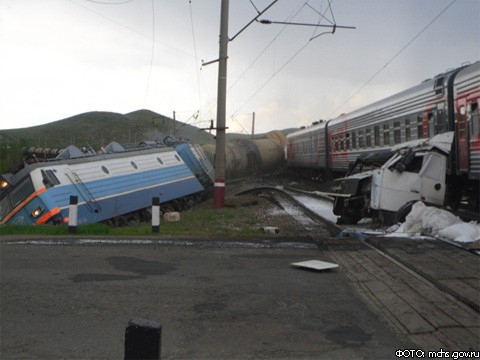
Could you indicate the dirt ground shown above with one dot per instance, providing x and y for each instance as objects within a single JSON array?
[{"x": 265, "y": 209}]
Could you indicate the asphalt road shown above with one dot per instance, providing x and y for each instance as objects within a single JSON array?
[{"x": 74, "y": 302}]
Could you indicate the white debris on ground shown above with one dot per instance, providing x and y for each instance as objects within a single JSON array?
[
  {"x": 439, "y": 223},
  {"x": 422, "y": 222}
]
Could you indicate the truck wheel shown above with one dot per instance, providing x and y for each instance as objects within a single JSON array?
[{"x": 402, "y": 213}]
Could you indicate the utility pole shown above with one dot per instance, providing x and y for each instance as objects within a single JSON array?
[
  {"x": 253, "y": 125},
  {"x": 219, "y": 186},
  {"x": 174, "y": 124}
]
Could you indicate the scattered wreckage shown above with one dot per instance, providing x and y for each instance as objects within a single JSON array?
[{"x": 411, "y": 172}]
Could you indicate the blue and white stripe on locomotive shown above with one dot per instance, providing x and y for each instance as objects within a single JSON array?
[{"x": 110, "y": 185}]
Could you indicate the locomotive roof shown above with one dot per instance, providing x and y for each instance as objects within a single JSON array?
[{"x": 82, "y": 159}]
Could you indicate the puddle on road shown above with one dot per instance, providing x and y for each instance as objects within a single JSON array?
[
  {"x": 141, "y": 268},
  {"x": 208, "y": 307},
  {"x": 101, "y": 277},
  {"x": 348, "y": 335}
]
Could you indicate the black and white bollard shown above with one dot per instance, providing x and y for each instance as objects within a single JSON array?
[
  {"x": 143, "y": 340},
  {"x": 73, "y": 214},
  {"x": 156, "y": 214}
]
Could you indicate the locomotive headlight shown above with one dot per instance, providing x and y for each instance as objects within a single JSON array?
[
  {"x": 3, "y": 184},
  {"x": 37, "y": 212}
]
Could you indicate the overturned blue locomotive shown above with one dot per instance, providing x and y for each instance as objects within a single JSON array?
[{"x": 110, "y": 183}]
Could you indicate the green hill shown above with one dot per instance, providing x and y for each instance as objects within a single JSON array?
[
  {"x": 99, "y": 128},
  {"x": 94, "y": 129}
]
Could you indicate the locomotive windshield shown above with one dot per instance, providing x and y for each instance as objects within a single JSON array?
[{"x": 13, "y": 198}]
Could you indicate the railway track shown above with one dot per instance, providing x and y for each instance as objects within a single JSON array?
[{"x": 454, "y": 276}]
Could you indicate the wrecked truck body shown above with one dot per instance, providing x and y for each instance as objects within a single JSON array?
[{"x": 415, "y": 171}]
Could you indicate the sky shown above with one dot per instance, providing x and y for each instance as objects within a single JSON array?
[{"x": 59, "y": 58}]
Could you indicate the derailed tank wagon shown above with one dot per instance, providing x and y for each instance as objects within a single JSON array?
[{"x": 253, "y": 156}]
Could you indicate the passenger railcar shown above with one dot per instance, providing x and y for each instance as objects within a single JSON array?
[
  {"x": 448, "y": 102},
  {"x": 115, "y": 183}
]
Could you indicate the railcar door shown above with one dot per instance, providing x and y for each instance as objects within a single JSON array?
[
  {"x": 462, "y": 135},
  {"x": 474, "y": 125}
]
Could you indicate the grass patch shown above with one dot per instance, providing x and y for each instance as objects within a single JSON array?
[{"x": 209, "y": 223}]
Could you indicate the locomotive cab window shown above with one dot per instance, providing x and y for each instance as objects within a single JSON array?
[
  {"x": 21, "y": 192},
  {"x": 49, "y": 178}
]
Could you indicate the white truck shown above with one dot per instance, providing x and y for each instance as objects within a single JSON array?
[{"x": 415, "y": 171}]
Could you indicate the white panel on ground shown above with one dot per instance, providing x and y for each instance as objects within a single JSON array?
[{"x": 315, "y": 265}]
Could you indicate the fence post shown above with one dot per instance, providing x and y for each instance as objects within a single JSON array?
[
  {"x": 143, "y": 340},
  {"x": 73, "y": 214},
  {"x": 156, "y": 214}
]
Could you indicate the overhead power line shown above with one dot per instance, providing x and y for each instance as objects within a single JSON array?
[
  {"x": 152, "y": 54},
  {"x": 394, "y": 56},
  {"x": 312, "y": 37},
  {"x": 110, "y": 3}
]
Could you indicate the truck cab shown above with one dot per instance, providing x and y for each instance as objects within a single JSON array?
[{"x": 416, "y": 172}]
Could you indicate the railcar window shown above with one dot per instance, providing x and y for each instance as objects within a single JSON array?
[
  {"x": 361, "y": 142},
  {"x": 369, "y": 138},
  {"x": 386, "y": 134},
  {"x": 342, "y": 142},
  {"x": 474, "y": 120},
  {"x": 354, "y": 140},
  {"x": 438, "y": 86},
  {"x": 376, "y": 135},
  {"x": 441, "y": 122},
  {"x": 347, "y": 141},
  {"x": 407, "y": 130},
  {"x": 419, "y": 127},
  {"x": 396, "y": 132}
]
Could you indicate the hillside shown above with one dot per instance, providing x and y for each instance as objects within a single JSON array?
[
  {"x": 98, "y": 128},
  {"x": 94, "y": 129}
]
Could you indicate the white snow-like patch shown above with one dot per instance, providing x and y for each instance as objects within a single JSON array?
[
  {"x": 323, "y": 208},
  {"x": 439, "y": 223}
]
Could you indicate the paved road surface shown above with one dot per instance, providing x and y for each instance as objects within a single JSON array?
[{"x": 74, "y": 301}]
